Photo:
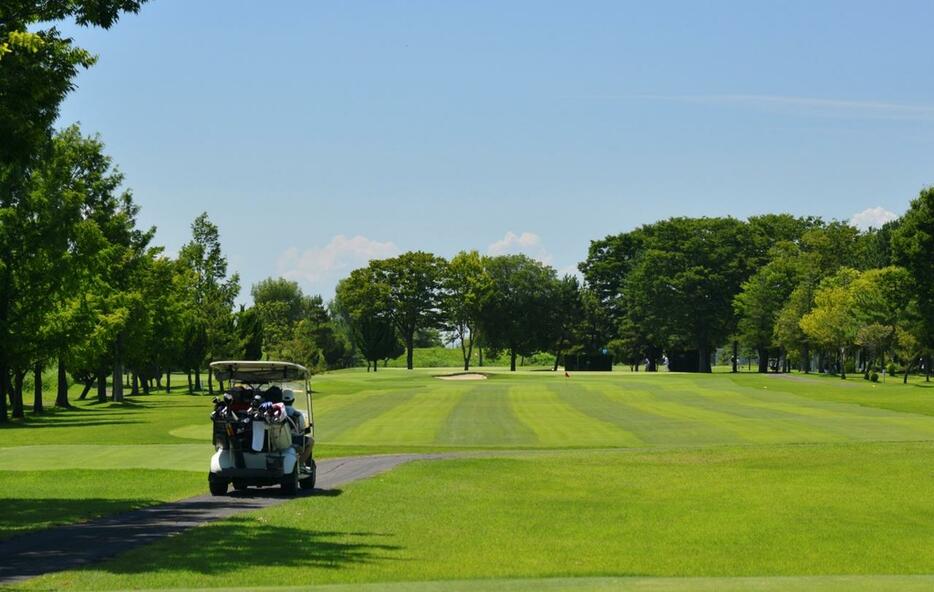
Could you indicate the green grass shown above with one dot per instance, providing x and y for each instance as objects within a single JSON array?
[
  {"x": 858, "y": 509},
  {"x": 622, "y": 479},
  {"x": 39, "y": 499}
]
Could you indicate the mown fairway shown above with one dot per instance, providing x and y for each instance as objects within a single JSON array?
[
  {"x": 780, "y": 480},
  {"x": 547, "y": 410}
]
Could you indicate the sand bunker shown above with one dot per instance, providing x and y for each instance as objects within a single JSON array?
[{"x": 463, "y": 376}]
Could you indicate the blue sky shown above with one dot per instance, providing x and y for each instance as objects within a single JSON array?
[{"x": 319, "y": 134}]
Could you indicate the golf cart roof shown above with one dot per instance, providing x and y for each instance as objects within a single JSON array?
[{"x": 257, "y": 372}]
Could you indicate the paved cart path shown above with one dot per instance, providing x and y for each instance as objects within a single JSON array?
[{"x": 69, "y": 547}]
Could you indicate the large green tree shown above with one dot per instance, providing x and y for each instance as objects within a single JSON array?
[
  {"x": 37, "y": 71},
  {"x": 466, "y": 288},
  {"x": 213, "y": 294},
  {"x": 413, "y": 287},
  {"x": 913, "y": 246},
  {"x": 761, "y": 299},
  {"x": 516, "y": 316}
]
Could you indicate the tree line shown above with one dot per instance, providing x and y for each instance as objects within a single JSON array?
[{"x": 790, "y": 291}]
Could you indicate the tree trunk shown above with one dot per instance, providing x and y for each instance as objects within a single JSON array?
[
  {"x": 87, "y": 388},
  {"x": 190, "y": 389},
  {"x": 37, "y": 389},
  {"x": 168, "y": 380},
  {"x": 147, "y": 384},
  {"x": 61, "y": 394},
  {"x": 763, "y": 354},
  {"x": 512, "y": 360},
  {"x": 735, "y": 355},
  {"x": 101, "y": 387},
  {"x": 118, "y": 369},
  {"x": 18, "y": 395},
  {"x": 375, "y": 365},
  {"x": 651, "y": 365},
  {"x": 806, "y": 358},
  {"x": 703, "y": 360},
  {"x": 4, "y": 390},
  {"x": 210, "y": 381},
  {"x": 198, "y": 379},
  {"x": 409, "y": 347},
  {"x": 843, "y": 363},
  {"x": 480, "y": 355},
  {"x": 135, "y": 388}
]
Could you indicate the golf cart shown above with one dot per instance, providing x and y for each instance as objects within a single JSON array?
[{"x": 262, "y": 435}]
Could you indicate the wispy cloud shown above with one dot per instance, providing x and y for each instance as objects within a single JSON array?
[
  {"x": 320, "y": 268},
  {"x": 838, "y": 107},
  {"x": 527, "y": 243},
  {"x": 872, "y": 218}
]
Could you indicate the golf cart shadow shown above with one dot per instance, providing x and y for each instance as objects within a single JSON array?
[
  {"x": 243, "y": 544},
  {"x": 276, "y": 492}
]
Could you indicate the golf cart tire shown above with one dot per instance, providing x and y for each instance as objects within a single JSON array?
[
  {"x": 217, "y": 486},
  {"x": 290, "y": 482},
  {"x": 309, "y": 481},
  {"x": 239, "y": 485}
]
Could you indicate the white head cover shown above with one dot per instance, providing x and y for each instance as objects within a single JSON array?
[{"x": 288, "y": 396}]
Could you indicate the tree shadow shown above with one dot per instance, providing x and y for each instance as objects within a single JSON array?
[
  {"x": 216, "y": 547},
  {"x": 29, "y": 515},
  {"x": 242, "y": 542}
]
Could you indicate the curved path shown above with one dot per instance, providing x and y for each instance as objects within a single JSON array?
[{"x": 69, "y": 547}]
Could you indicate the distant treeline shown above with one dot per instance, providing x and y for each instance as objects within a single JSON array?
[{"x": 790, "y": 291}]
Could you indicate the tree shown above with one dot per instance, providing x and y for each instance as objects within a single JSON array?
[
  {"x": 364, "y": 303},
  {"x": 565, "y": 311},
  {"x": 881, "y": 300},
  {"x": 761, "y": 299},
  {"x": 515, "y": 317},
  {"x": 681, "y": 288},
  {"x": 250, "y": 330},
  {"x": 413, "y": 289},
  {"x": 913, "y": 246},
  {"x": 832, "y": 322},
  {"x": 606, "y": 269},
  {"x": 37, "y": 68},
  {"x": 466, "y": 288},
  {"x": 213, "y": 292}
]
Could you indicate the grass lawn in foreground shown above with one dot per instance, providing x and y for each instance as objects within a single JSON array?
[
  {"x": 38, "y": 499},
  {"x": 857, "y": 509}
]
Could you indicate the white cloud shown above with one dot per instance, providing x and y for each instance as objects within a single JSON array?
[
  {"x": 840, "y": 107},
  {"x": 872, "y": 218},
  {"x": 527, "y": 243},
  {"x": 322, "y": 267}
]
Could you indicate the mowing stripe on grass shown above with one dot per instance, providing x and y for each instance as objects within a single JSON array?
[
  {"x": 484, "y": 417},
  {"x": 334, "y": 424},
  {"x": 638, "y": 413},
  {"x": 846, "y": 421},
  {"x": 49, "y": 457},
  {"x": 625, "y": 584},
  {"x": 413, "y": 421},
  {"x": 556, "y": 423},
  {"x": 780, "y": 425}
]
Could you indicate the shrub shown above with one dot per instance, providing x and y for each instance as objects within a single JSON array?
[
  {"x": 891, "y": 369},
  {"x": 874, "y": 376}
]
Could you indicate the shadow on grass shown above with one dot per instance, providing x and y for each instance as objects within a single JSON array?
[
  {"x": 247, "y": 543},
  {"x": 28, "y": 515}
]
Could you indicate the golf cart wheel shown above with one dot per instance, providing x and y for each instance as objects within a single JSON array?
[
  {"x": 217, "y": 486},
  {"x": 239, "y": 485},
  {"x": 309, "y": 481},
  {"x": 290, "y": 482}
]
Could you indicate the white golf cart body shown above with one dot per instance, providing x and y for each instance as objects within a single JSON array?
[{"x": 250, "y": 451}]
